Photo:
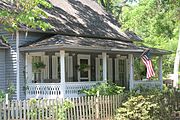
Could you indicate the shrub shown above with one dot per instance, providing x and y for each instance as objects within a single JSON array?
[
  {"x": 36, "y": 109},
  {"x": 2, "y": 96},
  {"x": 61, "y": 109},
  {"x": 147, "y": 104},
  {"x": 103, "y": 89},
  {"x": 137, "y": 108}
]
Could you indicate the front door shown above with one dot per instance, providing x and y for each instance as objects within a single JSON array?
[
  {"x": 121, "y": 72},
  {"x": 84, "y": 70}
]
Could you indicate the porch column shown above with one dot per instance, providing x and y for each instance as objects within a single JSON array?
[
  {"x": 104, "y": 57},
  {"x": 62, "y": 68},
  {"x": 131, "y": 71},
  {"x": 160, "y": 71}
]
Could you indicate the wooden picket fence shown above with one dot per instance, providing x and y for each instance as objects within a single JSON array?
[{"x": 83, "y": 108}]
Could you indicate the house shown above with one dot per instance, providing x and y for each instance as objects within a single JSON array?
[{"x": 85, "y": 47}]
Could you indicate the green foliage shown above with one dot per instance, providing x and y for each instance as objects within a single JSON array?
[
  {"x": 147, "y": 104},
  {"x": 27, "y": 13},
  {"x": 103, "y": 89},
  {"x": 11, "y": 90},
  {"x": 59, "y": 107},
  {"x": 83, "y": 67},
  {"x": 38, "y": 65},
  {"x": 2, "y": 96},
  {"x": 139, "y": 69},
  {"x": 137, "y": 108},
  {"x": 34, "y": 108},
  {"x": 157, "y": 23},
  {"x": 115, "y": 6}
]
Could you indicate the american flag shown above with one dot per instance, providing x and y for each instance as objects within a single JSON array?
[{"x": 147, "y": 61}]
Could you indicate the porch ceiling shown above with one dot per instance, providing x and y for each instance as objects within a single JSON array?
[{"x": 80, "y": 43}]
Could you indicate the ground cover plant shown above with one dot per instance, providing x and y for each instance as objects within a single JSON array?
[{"x": 103, "y": 89}]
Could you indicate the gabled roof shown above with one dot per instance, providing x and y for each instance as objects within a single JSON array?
[
  {"x": 82, "y": 18},
  {"x": 132, "y": 35}
]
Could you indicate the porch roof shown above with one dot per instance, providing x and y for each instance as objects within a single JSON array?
[
  {"x": 72, "y": 42},
  {"x": 81, "y": 43}
]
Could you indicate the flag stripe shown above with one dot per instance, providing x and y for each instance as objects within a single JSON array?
[{"x": 149, "y": 67}]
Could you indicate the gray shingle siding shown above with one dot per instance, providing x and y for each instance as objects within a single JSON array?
[
  {"x": 24, "y": 39},
  {"x": 10, "y": 58},
  {"x": 2, "y": 70}
]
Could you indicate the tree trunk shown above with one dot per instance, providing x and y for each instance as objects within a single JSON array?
[{"x": 176, "y": 63}]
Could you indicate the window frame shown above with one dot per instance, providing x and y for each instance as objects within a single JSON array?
[{"x": 83, "y": 56}]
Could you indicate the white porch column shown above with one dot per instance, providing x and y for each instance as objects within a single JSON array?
[
  {"x": 160, "y": 71},
  {"x": 17, "y": 63},
  {"x": 131, "y": 71},
  {"x": 104, "y": 57},
  {"x": 62, "y": 68}
]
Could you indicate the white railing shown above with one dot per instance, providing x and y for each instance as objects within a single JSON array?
[
  {"x": 73, "y": 88},
  {"x": 54, "y": 90},
  {"x": 43, "y": 90},
  {"x": 148, "y": 83}
]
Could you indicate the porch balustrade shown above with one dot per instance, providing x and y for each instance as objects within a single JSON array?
[
  {"x": 151, "y": 83},
  {"x": 43, "y": 90},
  {"x": 55, "y": 90}
]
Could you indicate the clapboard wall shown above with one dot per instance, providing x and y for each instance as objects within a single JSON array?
[
  {"x": 10, "y": 68},
  {"x": 2, "y": 70}
]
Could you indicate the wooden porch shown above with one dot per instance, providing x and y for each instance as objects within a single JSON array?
[{"x": 73, "y": 63}]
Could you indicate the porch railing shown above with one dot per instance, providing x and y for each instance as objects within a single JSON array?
[
  {"x": 43, "y": 90},
  {"x": 73, "y": 88},
  {"x": 151, "y": 83},
  {"x": 54, "y": 90}
]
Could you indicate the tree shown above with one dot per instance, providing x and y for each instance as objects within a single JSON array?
[
  {"x": 23, "y": 13},
  {"x": 155, "y": 21},
  {"x": 115, "y": 6},
  {"x": 176, "y": 64}
]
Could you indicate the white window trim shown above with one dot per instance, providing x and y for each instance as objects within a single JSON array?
[
  {"x": 29, "y": 69},
  {"x": 82, "y": 56}
]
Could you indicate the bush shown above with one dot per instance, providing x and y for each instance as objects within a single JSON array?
[
  {"x": 103, "y": 89},
  {"x": 2, "y": 96},
  {"x": 137, "y": 108},
  {"x": 147, "y": 104},
  {"x": 37, "y": 109}
]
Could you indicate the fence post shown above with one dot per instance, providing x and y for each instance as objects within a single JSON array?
[
  {"x": 1, "y": 107},
  {"x": 97, "y": 106}
]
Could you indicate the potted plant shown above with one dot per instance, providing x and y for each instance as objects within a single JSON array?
[
  {"x": 83, "y": 67},
  {"x": 38, "y": 65}
]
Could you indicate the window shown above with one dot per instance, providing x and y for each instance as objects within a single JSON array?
[
  {"x": 121, "y": 72},
  {"x": 36, "y": 60},
  {"x": 84, "y": 67},
  {"x": 37, "y": 67}
]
